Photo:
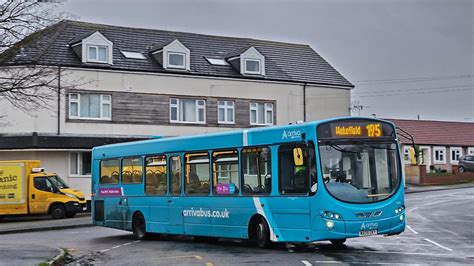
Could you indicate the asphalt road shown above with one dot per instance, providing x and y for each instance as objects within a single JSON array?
[{"x": 441, "y": 231}]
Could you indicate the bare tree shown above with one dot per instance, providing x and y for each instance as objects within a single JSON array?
[{"x": 26, "y": 85}]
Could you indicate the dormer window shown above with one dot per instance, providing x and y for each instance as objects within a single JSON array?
[
  {"x": 97, "y": 54},
  {"x": 173, "y": 56},
  {"x": 252, "y": 66},
  {"x": 176, "y": 60},
  {"x": 250, "y": 62},
  {"x": 95, "y": 48}
]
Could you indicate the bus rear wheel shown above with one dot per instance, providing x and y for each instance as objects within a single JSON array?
[
  {"x": 338, "y": 242},
  {"x": 58, "y": 211},
  {"x": 263, "y": 234},
  {"x": 139, "y": 226}
]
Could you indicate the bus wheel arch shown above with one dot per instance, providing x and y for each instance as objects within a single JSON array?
[
  {"x": 259, "y": 231},
  {"x": 139, "y": 225},
  {"x": 57, "y": 210}
]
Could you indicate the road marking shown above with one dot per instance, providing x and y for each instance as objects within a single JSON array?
[
  {"x": 209, "y": 264},
  {"x": 437, "y": 244},
  {"x": 405, "y": 253},
  {"x": 124, "y": 244},
  {"x": 412, "y": 230},
  {"x": 198, "y": 257},
  {"x": 306, "y": 263},
  {"x": 357, "y": 262}
]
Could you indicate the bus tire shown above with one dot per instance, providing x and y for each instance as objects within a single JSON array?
[
  {"x": 262, "y": 234},
  {"x": 338, "y": 242},
  {"x": 57, "y": 211},
  {"x": 139, "y": 226}
]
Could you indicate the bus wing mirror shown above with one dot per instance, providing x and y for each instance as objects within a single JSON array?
[{"x": 298, "y": 156}]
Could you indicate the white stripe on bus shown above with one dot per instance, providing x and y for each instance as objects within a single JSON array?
[{"x": 260, "y": 211}]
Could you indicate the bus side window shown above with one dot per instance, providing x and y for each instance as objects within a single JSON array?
[
  {"x": 225, "y": 172},
  {"x": 109, "y": 171},
  {"x": 293, "y": 170},
  {"x": 175, "y": 175},
  {"x": 256, "y": 170},
  {"x": 155, "y": 175},
  {"x": 197, "y": 173},
  {"x": 132, "y": 170}
]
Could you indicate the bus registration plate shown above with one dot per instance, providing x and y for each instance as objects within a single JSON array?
[{"x": 368, "y": 232}]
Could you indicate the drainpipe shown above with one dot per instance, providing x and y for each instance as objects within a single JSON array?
[
  {"x": 59, "y": 100},
  {"x": 304, "y": 102}
]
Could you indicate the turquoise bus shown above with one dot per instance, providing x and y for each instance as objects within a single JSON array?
[{"x": 324, "y": 180}]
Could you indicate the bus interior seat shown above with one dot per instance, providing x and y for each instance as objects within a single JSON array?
[
  {"x": 137, "y": 176},
  {"x": 126, "y": 177},
  {"x": 114, "y": 178},
  {"x": 247, "y": 188}
]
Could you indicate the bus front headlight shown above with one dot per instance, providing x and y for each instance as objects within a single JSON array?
[
  {"x": 331, "y": 215},
  {"x": 330, "y": 225},
  {"x": 399, "y": 210}
]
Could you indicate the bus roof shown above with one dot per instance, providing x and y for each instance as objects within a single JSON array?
[{"x": 218, "y": 140}]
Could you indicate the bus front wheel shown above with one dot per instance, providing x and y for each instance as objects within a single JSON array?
[
  {"x": 263, "y": 234},
  {"x": 139, "y": 226},
  {"x": 338, "y": 242}
]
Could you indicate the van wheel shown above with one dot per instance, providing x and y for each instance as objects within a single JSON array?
[
  {"x": 263, "y": 234},
  {"x": 139, "y": 226},
  {"x": 70, "y": 214},
  {"x": 338, "y": 242},
  {"x": 58, "y": 211},
  {"x": 461, "y": 169}
]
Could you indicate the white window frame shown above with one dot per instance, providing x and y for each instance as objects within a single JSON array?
[
  {"x": 225, "y": 106},
  {"x": 183, "y": 66},
  {"x": 97, "y": 54},
  {"x": 451, "y": 157},
  {"x": 259, "y": 72},
  {"x": 78, "y": 164},
  {"x": 103, "y": 101},
  {"x": 470, "y": 151},
  {"x": 406, "y": 152},
  {"x": 198, "y": 107},
  {"x": 268, "y": 108},
  {"x": 440, "y": 149}
]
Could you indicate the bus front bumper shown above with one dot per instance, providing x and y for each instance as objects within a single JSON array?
[{"x": 340, "y": 229}]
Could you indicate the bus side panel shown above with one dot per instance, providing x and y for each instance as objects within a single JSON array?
[
  {"x": 158, "y": 217},
  {"x": 231, "y": 216},
  {"x": 291, "y": 218},
  {"x": 197, "y": 213}
]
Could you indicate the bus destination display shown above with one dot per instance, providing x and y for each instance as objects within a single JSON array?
[
  {"x": 369, "y": 130},
  {"x": 355, "y": 129}
]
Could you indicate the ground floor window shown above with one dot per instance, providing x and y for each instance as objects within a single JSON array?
[{"x": 80, "y": 163}]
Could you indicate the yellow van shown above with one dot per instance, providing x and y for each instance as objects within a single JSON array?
[{"x": 26, "y": 189}]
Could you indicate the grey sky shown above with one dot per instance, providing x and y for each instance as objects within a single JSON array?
[{"x": 396, "y": 42}]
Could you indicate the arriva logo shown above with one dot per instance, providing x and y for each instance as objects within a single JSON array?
[
  {"x": 367, "y": 226},
  {"x": 291, "y": 134}
]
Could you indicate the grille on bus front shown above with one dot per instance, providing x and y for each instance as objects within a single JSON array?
[{"x": 363, "y": 215}]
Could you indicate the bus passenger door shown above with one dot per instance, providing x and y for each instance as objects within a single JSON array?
[{"x": 174, "y": 199}]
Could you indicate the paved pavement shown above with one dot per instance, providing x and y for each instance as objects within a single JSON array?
[
  {"x": 21, "y": 252},
  {"x": 26, "y": 254},
  {"x": 409, "y": 188},
  {"x": 439, "y": 231},
  {"x": 23, "y": 224}
]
